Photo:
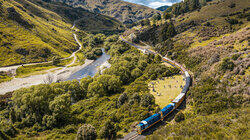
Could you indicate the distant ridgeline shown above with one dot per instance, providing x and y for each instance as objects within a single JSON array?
[
  {"x": 186, "y": 6},
  {"x": 163, "y": 8},
  {"x": 123, "y": 11}
]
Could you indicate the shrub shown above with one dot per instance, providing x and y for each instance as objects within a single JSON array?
[
  {"x": 157, "y": 17},
  {"x": 232, "y": 5},
  {"x": 227, "y": 64},
  {"x": 10, "y": 130},
  {"x": 123, "y": 98},
  {"x": 108, "y": 131},
  {"x": 232, "y": 21},
  {"x": 167, "y": 15},
  {"x": 179, "y": 117},
  {"x": 3, "y": 136},
  {"x": 55, "y": 60},
  {"x": 98, "y": 51},
  {"x": 147, "y": 99},
  {"x": 86, "y": 132}
]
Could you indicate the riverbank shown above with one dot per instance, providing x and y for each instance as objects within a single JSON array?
[{"x": 53, "y": 75}]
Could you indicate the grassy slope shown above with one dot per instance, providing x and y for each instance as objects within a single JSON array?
[
  {"x": 85, "y": 19},
  {"x": 217, "y": 102},
  {"x": 35, "y": 31},
  {"x": 168, "y": 89},
  {"x": 48, "y": 36},
  {"x": 123, "y": 11}
]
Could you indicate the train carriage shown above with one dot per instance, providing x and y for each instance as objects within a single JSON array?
[
  {"x": 150, "y": 121},
  {"x": 167, "y": 110}
]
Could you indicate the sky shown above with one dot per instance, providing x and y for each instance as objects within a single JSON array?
[{"x": 154, "y": 3}]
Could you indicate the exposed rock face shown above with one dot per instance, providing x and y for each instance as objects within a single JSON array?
[{"x": 123, "y": 11}]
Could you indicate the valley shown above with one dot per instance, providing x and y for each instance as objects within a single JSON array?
[{"x": 110, "y": 69}]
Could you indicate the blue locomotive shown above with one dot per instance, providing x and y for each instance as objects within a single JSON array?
[{"x": 150, "y": 121}]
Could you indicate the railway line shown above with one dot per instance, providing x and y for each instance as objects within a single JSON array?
[{"x": 152, "y": 120}]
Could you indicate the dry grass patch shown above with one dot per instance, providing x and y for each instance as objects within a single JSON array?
[{"x": 167, "y": 89}]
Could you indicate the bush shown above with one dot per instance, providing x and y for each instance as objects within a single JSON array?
[
  {"x": 123, "y": 98},
  {"x": 3, "y": 136},
  {"x": 108, "y": 131},
  {"x": 179, "y": 117},
  {"x": 98, "y": 51},
  {"x": 235, "y": 56},
  {"x": 55, "y": 60},
  {"x": 227, "y": 64},
  {"x": 157, "y": 17},
  {"x": 167, "y": 15},
  {"x": 232, "y": 21},
  {"x": 91, "y": 55},
  {"x": 86, "y": 132},
  {"x": 147, "y": 100}
]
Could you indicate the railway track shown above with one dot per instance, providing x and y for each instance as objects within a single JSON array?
[{"x": 134, "y": 135}]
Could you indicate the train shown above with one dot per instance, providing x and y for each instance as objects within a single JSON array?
[{"x": 150, "y": 121}]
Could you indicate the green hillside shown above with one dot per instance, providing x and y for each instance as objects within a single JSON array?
[
  {"x": 35, "y": 31},
  {"x": 209, "y": 38},
  {"x": 212, "y": 42},
  {"x": 30, "y": 33}
]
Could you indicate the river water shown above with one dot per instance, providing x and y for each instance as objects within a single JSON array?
[{"x": 91, "y": 69}]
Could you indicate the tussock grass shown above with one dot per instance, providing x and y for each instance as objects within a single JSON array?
[{"x": 49, "y": 36}]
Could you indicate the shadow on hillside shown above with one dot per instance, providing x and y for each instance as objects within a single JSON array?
[{"x": 167, "y": 119}]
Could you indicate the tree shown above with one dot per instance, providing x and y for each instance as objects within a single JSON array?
[
  {"x": 147, "y": 99},
  {"x": 86, "y": 132},
  {"x": 136, "y": 73},
  {"x": 108, "y": 131},
  {"x": 84, "y": 83},
  {"x": 120, "y": 70},
  {"x": 60, "y": 108},
  {"x": 104, "y": 85},
  {"x": 167, "y": 30},
  {"x": 122, "y": 99},
  {"x": 76, "y": 91},
  {"x": 49, "y": 121},
  {"x": 32, "y": 103}
]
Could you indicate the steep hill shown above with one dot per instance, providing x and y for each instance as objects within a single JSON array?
[
  {"x": 213, "y": 43},
  {"x": 35, "y": 31},
  {"x": 123, "y": 11},
  {"x": 84, "y": 19}
]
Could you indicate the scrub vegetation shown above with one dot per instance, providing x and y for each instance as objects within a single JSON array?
[
  {"x": 210, "y": 38},
  {"x": 36, "y": 31},
  {"x": 212, "y": 43},
  {"x": 110, "y": 103}
]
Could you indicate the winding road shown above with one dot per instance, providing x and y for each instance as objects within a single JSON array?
[
  {"x": 55, "y": 73},
  {"x": 14, "y": 68}
]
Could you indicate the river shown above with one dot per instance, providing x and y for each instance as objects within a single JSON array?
[{"x": 91, "y": 69}]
